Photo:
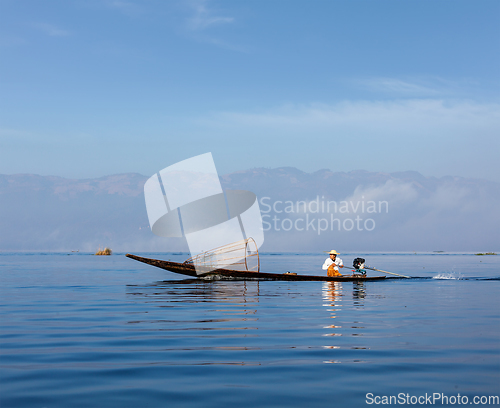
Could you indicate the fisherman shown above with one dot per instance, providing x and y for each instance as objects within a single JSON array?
[{"x": 332, "y": 264}]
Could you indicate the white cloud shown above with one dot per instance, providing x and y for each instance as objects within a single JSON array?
[
  {"x": 203, "y": 17},
  {"x": 201, "y": 22},
  {"x": 433, "y": 136},
  {"x": 402, "y": 87},
  {"x": 420, "y": 86},
  {"x": 393, "y": 191},
  {"x": 416, "y": 116},
  {"x": 448, "y": 197}
]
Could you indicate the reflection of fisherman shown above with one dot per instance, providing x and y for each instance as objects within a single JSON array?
[{"x": 332, "y": 264}]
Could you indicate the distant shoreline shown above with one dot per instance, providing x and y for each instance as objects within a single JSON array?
[{"x": 349, "y": 253}]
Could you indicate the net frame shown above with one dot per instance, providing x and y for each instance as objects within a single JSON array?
[{"x": 235, "y": 255}]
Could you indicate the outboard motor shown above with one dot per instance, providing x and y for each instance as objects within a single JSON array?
[{"x": 359, "y": 265}]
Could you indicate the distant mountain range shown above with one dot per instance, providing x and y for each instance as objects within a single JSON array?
[{"x": 417, "y": 213}]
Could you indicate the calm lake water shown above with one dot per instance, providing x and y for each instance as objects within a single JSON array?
[{"x": 87, "y": 331}]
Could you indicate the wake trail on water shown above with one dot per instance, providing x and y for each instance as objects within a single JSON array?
[
  {"x": 454, "y": 276},
  {"x": 449, "y": 275}
]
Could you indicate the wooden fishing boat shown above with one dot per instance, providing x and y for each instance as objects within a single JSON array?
[{"x": 188, "y": 269}]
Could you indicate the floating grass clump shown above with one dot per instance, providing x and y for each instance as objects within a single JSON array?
[
  {"x": 486, "y": 253},
  {"x": 105, "y": 251}
]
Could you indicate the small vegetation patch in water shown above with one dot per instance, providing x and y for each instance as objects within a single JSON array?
[{"x": 105, "y": 251}]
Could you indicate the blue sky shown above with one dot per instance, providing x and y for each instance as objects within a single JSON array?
[{"x": 97, "y": 87}]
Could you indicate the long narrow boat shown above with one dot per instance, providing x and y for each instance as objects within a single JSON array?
[{"x": 228, "y": 274}]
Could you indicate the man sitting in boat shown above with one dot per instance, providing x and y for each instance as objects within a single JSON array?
[{"x": 332, "y": 264}]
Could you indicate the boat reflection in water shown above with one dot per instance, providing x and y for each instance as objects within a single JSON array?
[
  {"x": 358, "y": 293},
  {"x": 208, "y": 321},
  {"x": 170, "y": 293},
  {"x": 334, "y": 295},
  {"x": 195, "y": 322},
  {"x": 197, "y": 290}
]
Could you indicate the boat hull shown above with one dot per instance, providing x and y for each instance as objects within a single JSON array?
[{"x": 228, "y": 274}]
